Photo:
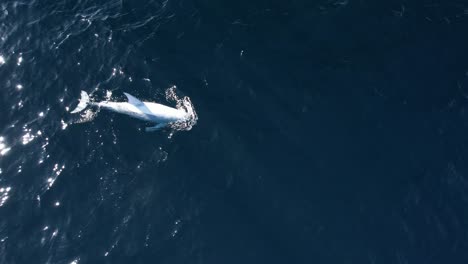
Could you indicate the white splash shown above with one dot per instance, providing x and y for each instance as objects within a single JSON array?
[
  {"x": 57, "y": 171},
  {"x": 184, "y": 104},
  {"x": 50, "y": 181},
  {"x": 175, "y": 231},
  {"x": 86, "y": 116},
  {"x": 27, "y": 137},
  {"x": 108, "y": 95},
  {"x": 64, "y": 125},
  {"x": 3, "y": 147},
  {"x": 4, "y": 195},
  {"x": 3, "y": 150}
]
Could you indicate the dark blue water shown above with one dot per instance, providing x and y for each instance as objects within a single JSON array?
[{"x": 327, "y": 132}]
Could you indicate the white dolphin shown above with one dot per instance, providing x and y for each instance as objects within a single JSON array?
[{"x": 156, "y": 113}]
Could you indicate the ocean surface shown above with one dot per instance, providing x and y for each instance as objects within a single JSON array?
[{"x": 323, "y": 132}]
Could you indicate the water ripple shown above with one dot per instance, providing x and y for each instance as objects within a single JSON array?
[{"x": 61, "y": 171}]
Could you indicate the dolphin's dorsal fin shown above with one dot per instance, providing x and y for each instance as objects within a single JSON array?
[{"x": 133, "y": 100}]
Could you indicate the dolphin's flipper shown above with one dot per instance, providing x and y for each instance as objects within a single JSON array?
[
  {"x": 133, "y": 100},
  {"x": 156, "y": 127}
]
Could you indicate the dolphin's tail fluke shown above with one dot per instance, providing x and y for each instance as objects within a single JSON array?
[{"x": 84, "y": 100}]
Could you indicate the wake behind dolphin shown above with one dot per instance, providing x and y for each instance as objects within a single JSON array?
[{"x": 159, "y": 114}]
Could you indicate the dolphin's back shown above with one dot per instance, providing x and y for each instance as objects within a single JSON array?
[{"x": 162, "y": 113}]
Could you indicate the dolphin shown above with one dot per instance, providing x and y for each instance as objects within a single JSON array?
[{"x": 159, "y": 114}]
